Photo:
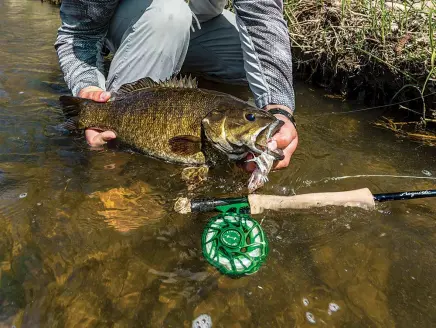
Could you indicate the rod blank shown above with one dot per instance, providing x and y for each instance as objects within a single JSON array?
[
  {"x": 258, "y": 203},
  {"x": 405, "y": 195}
]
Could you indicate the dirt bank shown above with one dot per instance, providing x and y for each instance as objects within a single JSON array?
[{"x": 374, "y": 51}]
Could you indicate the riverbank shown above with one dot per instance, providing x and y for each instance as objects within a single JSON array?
[{"x": 377, "y": 53}]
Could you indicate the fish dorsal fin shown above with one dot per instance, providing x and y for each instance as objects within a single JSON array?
[
  {"x": 147, "y": 83},
  {"x": 144, "y": 83}
]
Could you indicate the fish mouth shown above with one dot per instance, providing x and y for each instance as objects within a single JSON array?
[
  {"x": 264, "y": 135},
  {"x": 257, "y": 143}
]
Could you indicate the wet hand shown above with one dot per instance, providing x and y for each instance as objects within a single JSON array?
[
  {"x": 286, "y": 139},
  {"x": 94, "y": 137}
]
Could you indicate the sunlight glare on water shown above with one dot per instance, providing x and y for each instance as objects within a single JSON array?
[{"x": 89, "y": 238}]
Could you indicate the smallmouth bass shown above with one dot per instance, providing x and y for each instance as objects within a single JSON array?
[{"x": 178, "y": 122}]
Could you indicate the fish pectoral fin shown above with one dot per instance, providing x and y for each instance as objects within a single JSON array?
[{"x": 185, "y": 144}]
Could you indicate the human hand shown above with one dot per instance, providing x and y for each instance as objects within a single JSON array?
[
  {"x": 286, "y": 139},
  {"x": 95, "y": 137}
]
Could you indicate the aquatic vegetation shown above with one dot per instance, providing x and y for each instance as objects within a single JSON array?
[{"x": 127, "y": 209}]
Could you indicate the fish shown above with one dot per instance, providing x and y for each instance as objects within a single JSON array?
[{"x": 176, "y": 121}]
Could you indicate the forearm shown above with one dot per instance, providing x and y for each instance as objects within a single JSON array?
[
  {"x": 267, "y": 51},
  {"x": 79, "y": 42},
  {"x": 80, "y": 67}
]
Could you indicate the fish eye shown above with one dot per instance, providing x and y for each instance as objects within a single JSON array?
[{"x": 250, "y": 117}]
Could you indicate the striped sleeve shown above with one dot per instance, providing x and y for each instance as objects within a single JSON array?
[
  {"x": 80, "y": 39},
  {"x": 267, "y": 51}
]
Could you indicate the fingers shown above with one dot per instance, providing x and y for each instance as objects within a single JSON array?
[
  {"x": 96, "y": 138},
  {"x": 286, "y": 139},
  {"x": 99, "y": 96},
  {"x": 288, "y": 151},
  {"x": 95, "y": 93},
  {"x": 286, "y": 133}
]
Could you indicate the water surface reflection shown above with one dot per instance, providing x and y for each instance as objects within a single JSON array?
[{"x": 89, "y": 239}]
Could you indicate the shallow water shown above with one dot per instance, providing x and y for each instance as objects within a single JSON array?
[{"x": 89, "y": 238}]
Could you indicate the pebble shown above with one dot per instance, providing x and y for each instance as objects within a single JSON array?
[
  {"x": 110, "y": 167},
  {"x": 203, "y": 321},
  {"x": 305, "y": 301},
  {"x": 333, "y": 307},
  {"x": 164, "y": 299},
  {"x": 23, "y": 195},
  {"x": 310, "y": 317},
  {"x": 427, "y": 173}
]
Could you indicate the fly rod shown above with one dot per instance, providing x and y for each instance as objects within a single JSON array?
[
  {"x": 257, "y": 203},
  {"x": 235, "y": 243}
]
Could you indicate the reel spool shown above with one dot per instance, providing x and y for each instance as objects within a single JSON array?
[{"x": 235, "y": 244}]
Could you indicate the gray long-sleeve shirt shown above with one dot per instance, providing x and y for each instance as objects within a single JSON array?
[{"x": 263, "y": 33}]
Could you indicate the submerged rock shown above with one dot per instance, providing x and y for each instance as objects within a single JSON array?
[{"x": 127, "y": 209}]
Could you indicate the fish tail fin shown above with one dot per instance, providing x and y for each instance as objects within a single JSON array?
[{"x": 71, "y": 107}]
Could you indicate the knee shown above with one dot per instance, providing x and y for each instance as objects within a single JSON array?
[{"x": 171, "y": 17}]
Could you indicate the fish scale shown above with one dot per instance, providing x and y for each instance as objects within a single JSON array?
[{"x": 177, "y": 122}]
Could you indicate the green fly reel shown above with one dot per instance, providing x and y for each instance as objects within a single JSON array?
[{"x": 234, "y": 243}]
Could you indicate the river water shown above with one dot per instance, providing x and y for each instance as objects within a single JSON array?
[{"x": 88, "y": 238}]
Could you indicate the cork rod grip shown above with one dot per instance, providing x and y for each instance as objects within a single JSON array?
[{"x": 362, "y": 198}]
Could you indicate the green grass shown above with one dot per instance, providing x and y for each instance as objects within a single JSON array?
[{"x": 377, "y": 44}]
